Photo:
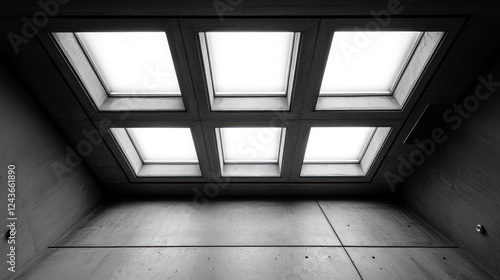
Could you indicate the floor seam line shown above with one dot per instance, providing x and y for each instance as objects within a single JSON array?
[
  {"x": 342, "y": 244},
  {"x": 252, "y": 246},
  {"x": 204, "y": 246}
]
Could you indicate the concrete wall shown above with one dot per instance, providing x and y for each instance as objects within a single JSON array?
[
  {"x": 459, "y": 186},
  {"x": 47, "y": 202}
]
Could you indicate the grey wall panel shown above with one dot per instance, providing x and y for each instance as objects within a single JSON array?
[
  {"x": 41, "y": 78},
  {"x": 50, "y": 196},
  {"x": 458, "y": 186}
]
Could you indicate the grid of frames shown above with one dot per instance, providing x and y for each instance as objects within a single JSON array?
[{"x": 248, "y": 100}]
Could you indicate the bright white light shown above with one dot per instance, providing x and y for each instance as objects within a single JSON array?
[
  {"x": 250, "y": 63},
  {"x": 132, "y": 63},
  {"x": 366, "y": 62},
  {"x": 251, "y": 144},
  {"x": 164, "y": 145},
  {"x": 337, "y": 144}
]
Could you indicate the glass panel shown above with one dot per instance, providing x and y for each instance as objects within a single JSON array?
[
  {"x": 132, "y": 63},
  {"x": 366, "y": 63},
  {"x": 337, "y": 144},
  {"x": 164, "y": 145},
  {"x": 251, "y": 145},
  {"x": 250, "y": 63}
]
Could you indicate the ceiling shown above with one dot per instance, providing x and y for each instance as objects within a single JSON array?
[{"x": 473, "y": 39}]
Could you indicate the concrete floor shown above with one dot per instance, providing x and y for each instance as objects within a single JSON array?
[{"x": 254, "y": 239}]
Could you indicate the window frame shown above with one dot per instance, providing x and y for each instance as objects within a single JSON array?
[
  {"x": 349, "y": 169},
  {"x": 302, "y": 108},
  {"x": 211, "y": 105},
  {"x": 250, "y": 168},
  {"x": 60, "y": 41},
  {"x": 127, "y": 154},
  {"x": 207, "y": 69},
  {"x": 438, "y": 32},
  {"x": 350, "y": 172}
]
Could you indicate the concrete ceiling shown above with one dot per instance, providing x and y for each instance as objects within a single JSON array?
[{"x": 467, "y": 55}]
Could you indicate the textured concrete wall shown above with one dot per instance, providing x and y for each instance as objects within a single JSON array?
[
  {"x": 459, "y": 186},
  {"x": 51, "y": 195}
]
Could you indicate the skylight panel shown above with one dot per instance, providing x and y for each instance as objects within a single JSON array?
[
  {"x": 367, "y": 63},
  {"x": 337, "y": 144},
  {"x": 132, "y": 63},
  {"x": 251, "y": 145},
  {"x": 250, "y": 63},
  {"x": 164, "y": 145}
]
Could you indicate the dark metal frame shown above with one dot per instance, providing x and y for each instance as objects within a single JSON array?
[
  {"x": 192, "y": 27},
  {"x": 182, "y": 35}
]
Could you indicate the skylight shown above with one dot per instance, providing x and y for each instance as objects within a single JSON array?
[
  {"x": 164, "y": 145},
  {"x": 250, "y": 63},
  {"x": 337, "y": 144},
  {"x": 263, "y": 100},
  {"x": 251, "y": 144},
  {"x": 132, "y": 63},
  {"x": 367, "y": 63}
]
